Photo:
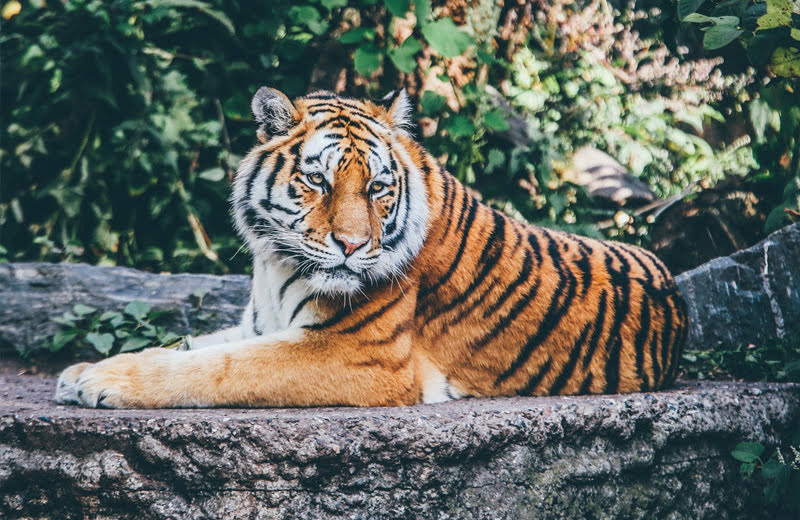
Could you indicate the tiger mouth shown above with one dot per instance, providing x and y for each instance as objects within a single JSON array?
[{"x": 339, "y": 270}]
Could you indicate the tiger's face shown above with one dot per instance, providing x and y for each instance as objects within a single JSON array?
[{"x": 333, "y": 189}]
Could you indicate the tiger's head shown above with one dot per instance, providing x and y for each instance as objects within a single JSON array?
[{"x": 334, "y": 188}]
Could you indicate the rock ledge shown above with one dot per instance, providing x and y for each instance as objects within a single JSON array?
[{"x": 656, "y": 455}]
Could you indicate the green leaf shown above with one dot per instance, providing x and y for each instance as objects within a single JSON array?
[
  {"x": 212, "y": 174},
  {"x": 431, "y": 103},
  {"x": 422, "y": 10},
  {"x": 495, "y": 159},
  {"x": 746, "y": 470},
  {"x": 447, "y": 39},
  {"x": 496, "y": 120},
  {"x": 109, "y": 315},
  {"x": 203, "y": 7},
  {"x": 761, "y": 46},
  {"x": 718, "y": 36},
  {"x": 686, "y": 7},
  {"x": 398, "y": 8},
  {"x": 779, "y": 14},
  {"x": 403, "y": 56},
  {"x": 308, "y": 16},
  {"x": 697, "y": 18},
  {"x": 486, "y": 57},
  {"x": 460, "y": 126},
  {"x": 117, "y": 321},
  {"x": 772, "y": 468},
  {"x": 135, "y": 343},
  {"x": 748, "y": 451},
  {"x": 82, "y": 310},
  {"x": 366, "y": 60},
  {"x": 786, "y": 62},
  {"x": 330, "y": 5},
  {"x": 357, "y": 35},
  {"x": 102, "y": 343},
  {"x": 136, "y": 309},
  {"x": 61, "y": 338}
]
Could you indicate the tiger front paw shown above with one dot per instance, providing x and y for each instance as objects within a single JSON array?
[{"x": 116, "y": 382}]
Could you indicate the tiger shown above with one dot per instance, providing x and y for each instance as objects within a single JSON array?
[{"x": 381, "y": 280}]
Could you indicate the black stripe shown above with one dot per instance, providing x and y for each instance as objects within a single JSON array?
[
  {"x": 584, "y": 264},
  {"x": 460, "y": 252},
  {"x": 449, "y": 202},
  {"x": 622, "y": 289},
  {"x": 503, "y": 322},
  {"x": 536, "y": 378},
  {"x": 640, "y": 340},
  {"x": 656, "y": 366},
  {"x": 533, "y": 240},
  {"x": 524, "y": 274},
  {"x": 369, "y": 318},
  {"x": 256, "y": 327},
  {"x": 556, "y": 311},
  {"x": 666, "y": 338},
  {"x": 466, "y": 310},
  {"x": 569, "y": 367},
  {"x": 299, "y": 307},
  {"x": 253, "y": 174},
  {"x": 287, "y": 283},
  {"x": 494, "y": 244},
  {"x": 586, "y": 385},
  {"x": 268, "y": 207},
  {"x": 280, "y": 161},
  {"x": 398, "y": 331},
  {"x": 599, "y": 324}
]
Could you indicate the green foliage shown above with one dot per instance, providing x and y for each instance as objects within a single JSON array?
[
  {"x": 109, "y": 333},
  {"x": 126, "y": 120},
  {"x": 121, "y": 119},
  {"x": 769, "y": 31},
  {"x": 779, "y": 477},
  {"x": 777, "y": 360}
]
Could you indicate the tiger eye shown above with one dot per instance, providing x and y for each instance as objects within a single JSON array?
[
  {"x": 376, "y": 187},
  {"x": 316, "y": 178}
]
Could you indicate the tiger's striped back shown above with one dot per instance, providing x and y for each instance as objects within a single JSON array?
[{"x": 531, "y": 311}]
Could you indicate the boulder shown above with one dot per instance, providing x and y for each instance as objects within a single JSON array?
[
  {"x": 32, "y": 294},
  {"x": 750, "y": 297}
]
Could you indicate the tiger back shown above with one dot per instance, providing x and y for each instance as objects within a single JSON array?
[{"x": 378, "y": 279}]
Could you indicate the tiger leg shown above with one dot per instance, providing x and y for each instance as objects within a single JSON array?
[{"x": 290, "y": 368}]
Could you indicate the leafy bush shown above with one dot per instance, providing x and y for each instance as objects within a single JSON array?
[
  {"x": 780, "y": 477},
  {"x": 124, "y": 121},
  {"x": 110, "y": 332}
]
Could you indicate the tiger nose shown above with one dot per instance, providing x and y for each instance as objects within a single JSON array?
[{"x": 349, "y": 244}]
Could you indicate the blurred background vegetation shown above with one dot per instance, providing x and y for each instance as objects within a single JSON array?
[{"x": 123, "y": 121}]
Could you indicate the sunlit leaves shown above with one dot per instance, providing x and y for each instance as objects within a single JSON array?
[
  {"x": 447, "y": 39},
  {"x": 367, "y": 59},
  {"x": 398, "y": 7},
  {"x": 786, "y": 62},
  {"x": 403, "y": 56}
]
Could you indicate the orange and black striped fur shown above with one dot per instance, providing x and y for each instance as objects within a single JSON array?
[{"x": 380, "y": 280}]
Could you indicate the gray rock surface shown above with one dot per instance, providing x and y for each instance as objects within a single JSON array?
[
  {"x": 658, "y": 455},
  {"x": 752, "y": 296},
  {"x": 31, "y": 295}
]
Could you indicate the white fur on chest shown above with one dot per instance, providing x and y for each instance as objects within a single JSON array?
[{"x": 278, "y": 299}]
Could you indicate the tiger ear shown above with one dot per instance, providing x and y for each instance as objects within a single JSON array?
[
  {"x": 273, "y": 111},
  {"x": 398, "y": 107}
]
